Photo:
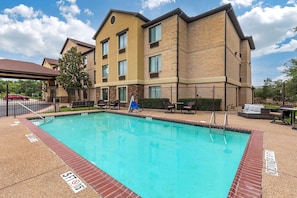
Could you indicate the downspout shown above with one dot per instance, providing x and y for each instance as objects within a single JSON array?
[
  {"x": 225, "y": 64},
  {"x": 177, "y": 58}
]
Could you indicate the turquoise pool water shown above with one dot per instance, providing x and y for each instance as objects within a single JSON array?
[{"x": 154, "y": 158}]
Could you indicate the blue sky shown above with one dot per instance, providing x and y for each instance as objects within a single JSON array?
[{"x": 31, "y": 30}]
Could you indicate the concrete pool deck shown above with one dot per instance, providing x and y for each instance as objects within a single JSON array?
[{"x": 33, "y": 170}]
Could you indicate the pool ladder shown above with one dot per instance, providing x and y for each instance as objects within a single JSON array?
[
  {"x": 212, "y": 122},
  {"x": 42, "y": 118}
]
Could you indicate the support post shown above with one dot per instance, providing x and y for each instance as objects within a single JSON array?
[{"x": 6, "y": 99}]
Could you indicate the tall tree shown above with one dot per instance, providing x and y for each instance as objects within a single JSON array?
[{"x": 72, "y": 75}]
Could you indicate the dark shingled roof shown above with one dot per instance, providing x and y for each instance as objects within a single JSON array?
[
  {"x": 79, "y": 43},
  {"x": 25, "y": 70},
  {"x": 51, "y": 61}
]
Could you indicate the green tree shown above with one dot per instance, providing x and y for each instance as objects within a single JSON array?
[
  {"x": 291, "y": 73},
  {"x": 72, "y": 75}
]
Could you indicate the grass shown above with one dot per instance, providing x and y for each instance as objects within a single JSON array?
[
  {"x": 268, "y": 106},
  {"x": 65, "y": 109}
]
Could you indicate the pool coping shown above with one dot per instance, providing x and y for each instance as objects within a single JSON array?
[{"x": 246, "y": 183}]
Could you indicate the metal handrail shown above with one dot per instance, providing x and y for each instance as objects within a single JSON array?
[{"x": 30, "y": 110}]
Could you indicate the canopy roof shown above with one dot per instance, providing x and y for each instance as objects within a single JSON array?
[{"x": 25, "y": 70}]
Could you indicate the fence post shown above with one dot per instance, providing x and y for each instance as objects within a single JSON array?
[
  {"x": 6, "y": 99},
  {"x": 213, "y": 106},
  {"x": 14, "y": 110}
]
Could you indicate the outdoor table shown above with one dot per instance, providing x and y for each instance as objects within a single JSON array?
[
  {"x": 181, "y": 104},
  {"x": 293, "y": 114}
]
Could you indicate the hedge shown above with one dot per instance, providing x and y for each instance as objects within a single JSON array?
[
  {"x": 152, "y": 103},
  {"x": 203, "y": 104}
]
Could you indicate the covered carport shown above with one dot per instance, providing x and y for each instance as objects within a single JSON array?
[{"x": 25, "y": 70}]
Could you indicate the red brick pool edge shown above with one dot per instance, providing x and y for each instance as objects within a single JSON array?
[{"x": 247, "y": 182}]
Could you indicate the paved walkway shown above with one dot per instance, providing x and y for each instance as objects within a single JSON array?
[{"x": 32, "y": 170}]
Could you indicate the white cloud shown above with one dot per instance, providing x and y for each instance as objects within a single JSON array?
[
  {"x": 68, "y": 8},
  {"x": 282, "y": 76},
  {"x": 294, "y": 2},
  {"x": 151, "y": 4},
  {"x": 31, "y": 33},
  {"x": 271, "y": 28},
  {"x": 238, "y": 3},
  {"x": 21, "y": 11},
  {"x": 88, "y": 12}
]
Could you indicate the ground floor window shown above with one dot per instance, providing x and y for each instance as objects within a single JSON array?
[
  {"x": 105, "y": 93},
  {"x": 122, "y": 91},
  {"x": 155, "y": 92}
]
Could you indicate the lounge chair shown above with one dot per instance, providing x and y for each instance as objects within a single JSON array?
[
  {"x": 169, "y": 106},
  {"x": 114, "y": 104},
  {"x": 101, "y": 104},
  {"x": 189, "y": 107},
  {"x": 134, "y": 106}
]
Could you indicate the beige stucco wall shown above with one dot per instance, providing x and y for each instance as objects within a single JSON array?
[{"x": 133, "y": 53}]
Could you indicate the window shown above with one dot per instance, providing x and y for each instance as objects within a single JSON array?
[
  {"x": 105, "y": 48},
  {"x": 105, "y": 93},
  {"x": 122, "y": 68},
  {"x": 94, "y": 57},
  {"x": 123, "y": 40},
  {"x": 85, "y": 60},
  {"x": 155, "y": 33},
  {"x": 105, "y": 71},
  {"x": 94, "y": 77},
  {"x": 155, "y": 92},
  {"x": 122, "y": 93},
  {"x": 155, "y": 64}
]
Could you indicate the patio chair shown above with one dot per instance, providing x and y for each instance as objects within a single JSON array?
[
  {"x": 169, "y": 106},
  {"x": 279, "y": 115},
  {"x": 114, "y": 104},
  {"x": 101, "y": 104},
  {"x": 189, "y": 107}
]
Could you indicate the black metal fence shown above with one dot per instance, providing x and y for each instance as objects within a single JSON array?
[{"x": 18, "y": 107}]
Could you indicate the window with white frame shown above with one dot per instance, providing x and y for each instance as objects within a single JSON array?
[
  {"x": 105, "y": 71},
  {"x": 155, "y": 33},
  {"x": 122, "y": 91},
  {"x": 155, "y": 64},
  {"x": 123, "y": 40},
  {"x": 155, "y": 92},
  {"x": 104, "y": 48},
  {"x": 122, "y": 68},
  {"x": 105, "y": 93}
]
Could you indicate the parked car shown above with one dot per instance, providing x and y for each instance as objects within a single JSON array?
[{"x": 15, "y": 97}]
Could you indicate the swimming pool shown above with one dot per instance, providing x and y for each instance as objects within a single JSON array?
[{"x": 154, "y": 158}]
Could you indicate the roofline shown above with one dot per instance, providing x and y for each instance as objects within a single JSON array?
[
  {"x": 136, "y": 14},
  {"x": 80, "y": 43},
  {"x": 44, "y": 59},
  {"x": 89, "y": 51},
  {"x": 227, "y": 8}
]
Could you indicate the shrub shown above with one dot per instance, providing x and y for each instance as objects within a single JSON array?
[
  {"x": 152, "y": 103},
  {"x": 204, "y": 104}
]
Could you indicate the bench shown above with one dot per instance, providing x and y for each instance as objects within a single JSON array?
[
  {"x": 75, "y": 104},
  {"x": 255, "y": 111}
]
